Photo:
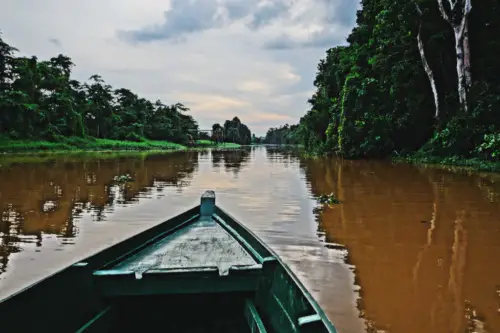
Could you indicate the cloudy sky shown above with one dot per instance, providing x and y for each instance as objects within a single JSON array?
[{"x": 255, "y": 59}]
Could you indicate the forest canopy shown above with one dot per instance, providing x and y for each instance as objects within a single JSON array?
[
  {"x": 416, "y": 76},
  {"x": 40, "y": 100},
  {"x": 235, "y": 131}
]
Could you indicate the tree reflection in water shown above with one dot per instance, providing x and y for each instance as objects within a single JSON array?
[
  {"x": 421, "y": 241},
  {"x": 47, "y": 198}
]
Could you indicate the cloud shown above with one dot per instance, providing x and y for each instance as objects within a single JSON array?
[
  {"x": 317, "y": 24},
  {"x": 208, "y": 102},
  {"x": 254, "y": 86},
  {"x": 255, "y": 59},
  {"x": 185, "y": 17},
  {"x": 269, "y": 11},
  {"x": 271, "y": 116},
  {"x": 341, "y": 12},
  {"x": 55, "y": 41},
  {"x": 325, "y": 38}
]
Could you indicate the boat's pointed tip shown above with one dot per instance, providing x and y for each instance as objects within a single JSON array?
[
  {"x": 208, "y": 194},
  {"x": 207, "y": 203}
]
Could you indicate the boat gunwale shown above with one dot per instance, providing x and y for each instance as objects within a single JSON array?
[
  {"x": 86, "y": 260},
  {"x": 259, "y": 257},
  {"x": 314, "y": 304},
  {"x": 199, "y": 269}
]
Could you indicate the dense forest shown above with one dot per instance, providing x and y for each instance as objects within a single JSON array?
[
  {"x": 235, "y": 131},
  {"x": 40, "y": 100},
  {"x": 285, "y": 134},
  {"x": 416, "y": 77}
]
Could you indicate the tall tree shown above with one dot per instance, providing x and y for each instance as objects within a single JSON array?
[
  {"x": 427, "y": 68},
  {"x": 404, "y": 83},
  {"x": 457, "y": 15}
]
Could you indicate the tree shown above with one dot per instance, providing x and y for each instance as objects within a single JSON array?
[
  {"x": 282, "y": 135},
  {"x": 427, "y": 68},
  {"x": 392, "y": 89},
  {"x": 235, "y": 131},
  {"x": 458, "y": 18},
  {"x": 40, "y": 100}
]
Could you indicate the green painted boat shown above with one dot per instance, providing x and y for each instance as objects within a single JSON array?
[{"x": 201, "y": 271}]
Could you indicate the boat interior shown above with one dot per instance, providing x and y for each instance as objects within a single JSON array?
[
  {"x": 198, "y": 278},
  {"x": 220, "y": 312}
]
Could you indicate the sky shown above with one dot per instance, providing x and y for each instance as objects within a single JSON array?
[{"x": 254, "y": 59}]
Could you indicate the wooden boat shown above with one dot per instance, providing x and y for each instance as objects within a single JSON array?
[{"x": 201, "y": 271}]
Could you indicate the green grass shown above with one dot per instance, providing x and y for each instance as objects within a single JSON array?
[
  {"x": 203, "y": 142},
  {"x": 229, "y": 145},
  {"x": 76, "y": 144},
  {"x": 84, "y": 144},
  {"x": 208, "y": 143},
  {"x": 130, "y": 145}
]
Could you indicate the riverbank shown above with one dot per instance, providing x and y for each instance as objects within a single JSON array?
[
  {"x": 209, "y": 144},
  {"x": 452, "y": 163},
  {"x": 94, "y": 145}
]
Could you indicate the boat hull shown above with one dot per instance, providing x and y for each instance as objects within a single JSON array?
[{"x": 110, "y": 292}]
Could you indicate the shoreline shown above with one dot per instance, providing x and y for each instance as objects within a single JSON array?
[
  {"x": 79, "y": 145},
  {"x": 74, "y": 146},
  {"x": 451, "y": 163},
  {"x": 12, "y": 158}
]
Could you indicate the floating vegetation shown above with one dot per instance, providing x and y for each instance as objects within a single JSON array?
[
  {"x": 122, "y": 179},
  {"x": 328, "y": 199},
  {"x": 324, "y": 201}
]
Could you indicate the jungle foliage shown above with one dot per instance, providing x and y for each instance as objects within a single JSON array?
[
  {"x": 235, "y": 131},
  {"x": 286, "y": 134},
  {"x": 40, "y": 100},
  {"x": 373, "y": 97}
]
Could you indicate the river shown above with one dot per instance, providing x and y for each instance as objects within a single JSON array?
[{"x": 410, "y": 249}]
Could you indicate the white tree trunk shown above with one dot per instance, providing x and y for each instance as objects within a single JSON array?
[
  {"x": 459, "y": 29},
  {"x": 428, "y": 70},
  {"x": 467, "y": 66},
  {"x": 459, "y": 49}
]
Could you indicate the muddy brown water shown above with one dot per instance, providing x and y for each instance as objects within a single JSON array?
[{"x": 410, "y": 249}]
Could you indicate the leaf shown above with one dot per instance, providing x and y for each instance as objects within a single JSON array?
[{"x": 31, "y": 106}]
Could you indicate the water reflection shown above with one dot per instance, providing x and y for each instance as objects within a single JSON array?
[
  {"x": 232, "y": 159},
  {"x": 44, "y": 199},
  {"x": 283, "y": 155},
  {"x": 217, "y": 157},
  {"x": 236, "y": 159},
  {"x": 423, "y": 243}
]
